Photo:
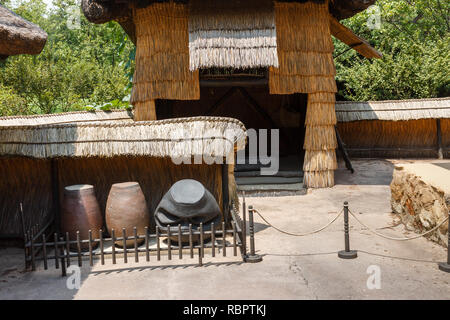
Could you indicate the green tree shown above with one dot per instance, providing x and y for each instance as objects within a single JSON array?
[
  {"x": 86, "y": 66},
  {"x": 414, "y": 38}
]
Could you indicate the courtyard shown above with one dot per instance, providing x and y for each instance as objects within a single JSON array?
[{"x": 292, "y": 267}]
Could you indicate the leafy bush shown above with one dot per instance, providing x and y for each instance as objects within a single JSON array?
[
  {"x": 77, "y": 68},
  {"x": 11, "y": 104},
  {"x": 414, "y": 38}
]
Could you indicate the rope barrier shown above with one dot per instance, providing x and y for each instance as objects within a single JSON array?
[
  {"x": 393, "y": 238},
  {"x": 299, "y": 234}
]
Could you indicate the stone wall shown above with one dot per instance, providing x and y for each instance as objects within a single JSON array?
[{"x": 420, "y": 204}]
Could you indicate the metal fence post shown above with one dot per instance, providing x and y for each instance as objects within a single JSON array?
[
  {"x": 445, "y": 266},
  {"x": 252, "y": 257},
  {"x": 347, "y": 253}
]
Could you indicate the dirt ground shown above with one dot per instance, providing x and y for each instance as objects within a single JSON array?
[{"x": 292, "y": 267}]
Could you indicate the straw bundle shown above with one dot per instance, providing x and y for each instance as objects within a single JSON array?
[
  {"x": 319, "y": 179},
  {"x": 320, "y": 141},
  {"x": 305, "y": 53},
  {"x": 304, "y": 48},
  {"x": 237, "y": 34},
  {"x": 162, "y": 54},
  {"x": 178, "y": 138}
]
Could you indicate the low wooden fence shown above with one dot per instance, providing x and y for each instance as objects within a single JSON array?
[{"x": 57, "y": 247}]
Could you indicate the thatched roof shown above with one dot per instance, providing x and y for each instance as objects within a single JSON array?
[
  {"x": 101, "y": 11},
  {"x": 232, "y": 34},
  {"x": 394, "y": 110},
  {"x": 18, "y": 36},
  {"x": 181, "y": 137},
  {"x": 67, "y": 117}
]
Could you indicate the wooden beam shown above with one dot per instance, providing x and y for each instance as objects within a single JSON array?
[
  {"x": 341, "y": 145},
  {"x": 236, "y": 82},
  {"x": 439, "y": 139},
  {"x": 347, "y": 36},
  {"x": 145, "y": 111},
  {"x": 219, "y": 102}
]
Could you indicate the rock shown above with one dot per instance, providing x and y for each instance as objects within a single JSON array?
[{"x": 420, "y": 206}]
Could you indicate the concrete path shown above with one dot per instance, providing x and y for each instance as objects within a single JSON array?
[{"x": 293, "y": 267}]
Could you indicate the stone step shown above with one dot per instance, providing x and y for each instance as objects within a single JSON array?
[{"x": 268, "y": 180}]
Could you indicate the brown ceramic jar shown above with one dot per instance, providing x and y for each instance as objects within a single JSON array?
[
  {"x": 126, "y": 208},
  {"x": 81, "y": 212}
]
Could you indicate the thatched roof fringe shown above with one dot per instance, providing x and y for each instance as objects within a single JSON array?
[
  {"x": 67, "y": 117},
  {"x": 393, "y": 110},
  {"x": 232, "y": 34},
  {"x": 180, "y": 138},
  {"x": 238, "y": 58},
  {"x": 319, "y": 179}
]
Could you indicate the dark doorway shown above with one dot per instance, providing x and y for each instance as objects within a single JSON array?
[{"x": 257, "y": 109}]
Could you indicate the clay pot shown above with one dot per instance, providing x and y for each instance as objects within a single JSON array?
[
  {"x": 81, "y": 212},
  {"x": 126, "y": 208}
]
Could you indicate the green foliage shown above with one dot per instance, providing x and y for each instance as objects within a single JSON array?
[
  {"x": 11, "y": 103},
  {"x": 91, "y": 67},
  {"x": 414, "y": 38},
  {"x": 78, "y": 68}
]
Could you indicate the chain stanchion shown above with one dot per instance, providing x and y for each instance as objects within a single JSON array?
[
  {"x": 252, "y": 257},
  {"x": 445, "y": 266},
  {"x": 347, "y": 253}
]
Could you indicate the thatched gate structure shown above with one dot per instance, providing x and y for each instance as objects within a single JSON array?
[{"x": 285, "y": 46}]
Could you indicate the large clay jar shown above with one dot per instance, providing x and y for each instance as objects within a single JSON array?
[
  {"x": 81, "y": 212},
  {"x": 126, "y": 208}
]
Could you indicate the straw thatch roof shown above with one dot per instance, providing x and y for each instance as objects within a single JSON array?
[
  {"x": 67, "y": 117},
  {"x": 182, "y": 137},
  {"x": 18, "y": 36},
  {"x": 394, "y": 110},
  {"x": 232, "y": 34},
  {"x": 101, "y": 11}
]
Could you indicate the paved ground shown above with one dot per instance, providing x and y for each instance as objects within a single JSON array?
[{"x": 293, "y": 268}]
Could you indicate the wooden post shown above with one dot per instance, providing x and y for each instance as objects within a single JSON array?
[
  {"x": 145, "y": 111},
  {"x": 225, "y": 193},
  {"x": 439, "y": 139},
  {"x": 55, "y": 193}
]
